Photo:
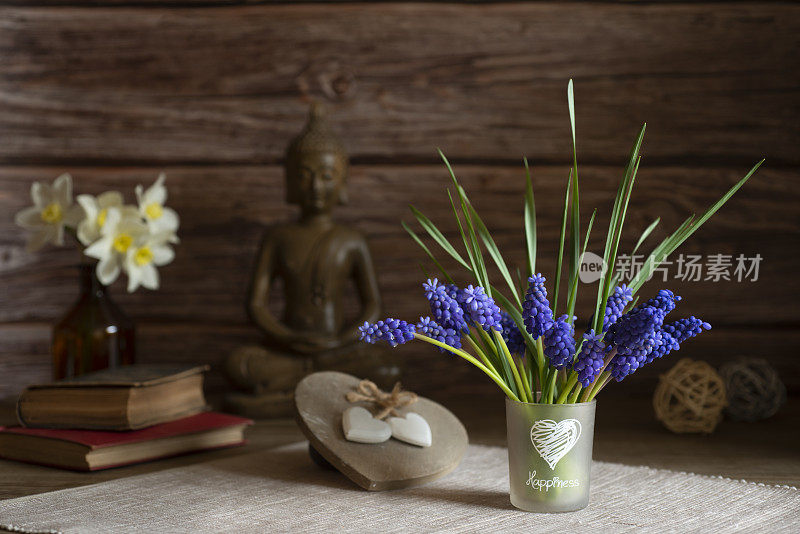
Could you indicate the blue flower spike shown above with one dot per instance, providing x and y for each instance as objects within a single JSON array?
[
  {"x": 428, "y": 327},
  {"x": 511, "y": 334},
  {"x": 640, "y": 336},
  {"x": 683, "y": 329},
  {"x": 536, "y": 312},
  {"x": 481, "y": 308},
  {"x": 559, "y": 343},
  {"x": 392, "y": 331},
  {"x": 445, "y": 310},
  {"x": 589, "y": 361},
  {"x": 615, "y": 305}
]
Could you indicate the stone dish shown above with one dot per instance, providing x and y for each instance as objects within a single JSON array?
[{"x": 319, "y": 404}]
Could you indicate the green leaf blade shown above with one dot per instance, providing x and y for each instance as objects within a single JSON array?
[
  {"x": 530, "y": 220},
  {"x": 561, "y": 243}
]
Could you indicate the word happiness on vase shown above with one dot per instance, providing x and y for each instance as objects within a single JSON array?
[{"x": 546, "y": 484}]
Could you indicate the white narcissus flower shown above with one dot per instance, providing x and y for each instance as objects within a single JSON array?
[
  {"x": 51, "y": 212},
  {"x": 96, "y": 214},
  {"x": 119, "y": 233},
  {"x": 150, "y": 251},
  {"x": 151, "y": 206}
]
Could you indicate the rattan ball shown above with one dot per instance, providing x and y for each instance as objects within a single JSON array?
[
  {"x": 690, "y": 398},
  {"x": 755, "y": 390}
]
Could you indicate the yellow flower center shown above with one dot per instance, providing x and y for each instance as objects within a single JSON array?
[
  {"x": 122, "y": 242},
  {"x": 101, "y": 217},
  {"x": 52, "y": 213},
  {"x": 154, "y": 210},
  {"x": 143, "y": 256}
]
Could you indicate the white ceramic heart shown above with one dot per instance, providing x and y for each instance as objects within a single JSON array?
[
  {"x": 412, "y": 429},
  {"x": 554, "y": 440},
  {"x": 359, "y": 426}
]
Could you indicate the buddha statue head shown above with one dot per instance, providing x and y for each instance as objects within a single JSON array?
[{"x": 316, "y": 166}]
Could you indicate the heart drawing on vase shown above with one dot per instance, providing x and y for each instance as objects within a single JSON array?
[{"x": 554, "y": 440}]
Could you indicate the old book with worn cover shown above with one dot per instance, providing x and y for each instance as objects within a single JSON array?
[
  {"x": 90, "y": 450},
  {"x": 124, "y": 398}
]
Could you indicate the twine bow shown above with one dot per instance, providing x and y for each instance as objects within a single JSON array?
[{"x": 368, "y": 391}]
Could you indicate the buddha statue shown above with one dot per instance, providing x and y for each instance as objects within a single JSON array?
[{"x": 315, "y": 261}]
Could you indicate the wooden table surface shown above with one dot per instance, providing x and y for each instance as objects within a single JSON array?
[{"x": 626, "y": 432}]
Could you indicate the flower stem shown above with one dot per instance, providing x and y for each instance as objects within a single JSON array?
[
  {"x": 573, "y": 378},
  {"x": 599, "y": 386},
  {"x": 549, "y": 391},
  {"x": 492, "y": 348},
  {"x": 490, "y": 351},
  {"x": 574, "y": 397},
  {"x": 486, "y": 348},
  {"x": 545, "y": 385},
  {"x": 530, "y": 368},
  {"x": 588, "y": 390},
  {"x": 482, "y": 355},
  {"x": 471, "y": 359},
  {"x": 525, "y": 382},
  {"x": 511, "y": 363},
  {"x": 599, "y": 382},
  {"x": 543, "y": 368}
]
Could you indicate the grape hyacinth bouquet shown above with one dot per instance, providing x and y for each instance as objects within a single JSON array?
[{"x": 517, "y": 338}]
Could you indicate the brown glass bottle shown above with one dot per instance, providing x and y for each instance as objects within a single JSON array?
[{"x": 94, "y": 334}]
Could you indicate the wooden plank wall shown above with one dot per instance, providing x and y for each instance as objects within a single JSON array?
[{"x": 211, "y": 92}]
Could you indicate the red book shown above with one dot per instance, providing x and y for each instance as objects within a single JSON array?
[{"x": 90, "y": 450}]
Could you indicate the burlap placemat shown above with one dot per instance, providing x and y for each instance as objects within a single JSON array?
[{"x": 282, "y": 491}]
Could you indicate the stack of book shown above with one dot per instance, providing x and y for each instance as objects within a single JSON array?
[{"x": 118, "y": 417}]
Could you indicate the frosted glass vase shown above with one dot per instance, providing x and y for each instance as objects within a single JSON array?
[{"x": 549, "y": 455}]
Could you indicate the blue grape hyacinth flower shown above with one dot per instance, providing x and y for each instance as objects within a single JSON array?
[
  {"x": 536, "y": 312},
  {"x": 666, "y": 301},
  {"x": 622, "y": 366},
  {"x": 634, "y": 330},
  {"x": 683, "y": 329},
  {"x": 392, "y": 331},
  {"x": 428, "y": 327},
  {"x": 445, "y": 310},
  {"x": 452, "y": 291},
  {"x": 670, "y": 336},
  {"x": 559, "y": 343},
  {"x": 511, "y": 334},
  {"x": 664, "y": 344},
  {"x": 615, "y": 305},
  {"x": 636, "y": 334},
  {"x": 589, "y": 361},
  {"x": 481, "y": 308}
]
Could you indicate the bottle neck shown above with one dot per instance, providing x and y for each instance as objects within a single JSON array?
[{"x": 90, "y": 285}]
